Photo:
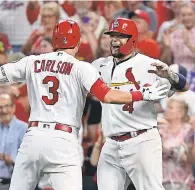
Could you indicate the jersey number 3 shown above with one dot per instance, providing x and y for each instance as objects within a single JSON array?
[{"x": 53, "y": 90}]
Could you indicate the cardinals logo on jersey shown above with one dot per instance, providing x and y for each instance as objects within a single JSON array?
[
  {"x": 130, "y": 80},
  {"x": 129, "y": 75}
]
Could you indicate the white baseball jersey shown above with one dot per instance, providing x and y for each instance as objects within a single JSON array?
[
  {"x": 130, "y": 74},
  {"x": 57, "y": 86}
]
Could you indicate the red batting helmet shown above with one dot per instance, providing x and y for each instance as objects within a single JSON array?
[
  {"x": 66, "y": 35},
  {"x": 126, "y": 27}
]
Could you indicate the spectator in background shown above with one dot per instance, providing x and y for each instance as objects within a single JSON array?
[
  {"x": 103, "y": 49},
  {"x": 5, "y": 48},
  {"x": 188, "y": 96},
  {"x": 181, "y": 42},
  {"x": 89, "y": 36},
  {"x": 146, "y": 45},
  {"x": 6, "y": 54},
  {"x": 45, "y": 46},
  {"x": 177, "y": 171},
  {"x": 95, "y": 109},
  {"x": 14, "y": 22},
  {"x": 171, "y": 25},
  {"x": 82, "y": 11},
  {"x": 94, "y": 118},
  {"x": 12, "y": 132},
  {"x": 111, "y": 8},
  {"x": 18, "y": 90},
  {"x": 88, "y": 46},
  {"x": 163, "y": 11},
  {"x": 133, "y": 6},
  {"x": 49, "y": 17},
  {"x": 152, "y": 4},
  {"x": 22, "y": 103},
  {"x": 166, "y": 29},
  {"x": 20, "y": 100},
  {"x": 33, "y": 9},
  {"x": 93, "y": 154}
]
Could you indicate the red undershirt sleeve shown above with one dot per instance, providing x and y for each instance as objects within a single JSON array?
[{"x": 99, "y": 89}]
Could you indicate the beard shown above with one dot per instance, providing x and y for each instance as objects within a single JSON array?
[{"x": 116, "y": 53}]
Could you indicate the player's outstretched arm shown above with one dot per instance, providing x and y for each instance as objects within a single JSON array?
[
  {"x": 177, "y": 81},
  {"x": 93, "y": 83},
  {"x": 106, "y": 95},
  {"x": 13, "y": 72}
]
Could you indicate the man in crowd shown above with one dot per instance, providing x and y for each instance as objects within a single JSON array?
[{"x": 12, "y": 132}]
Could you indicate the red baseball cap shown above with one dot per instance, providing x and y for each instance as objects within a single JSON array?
[{"x": 143, "y": 15}]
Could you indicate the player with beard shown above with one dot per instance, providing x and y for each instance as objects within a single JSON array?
[{"x": 133, "y": 149}]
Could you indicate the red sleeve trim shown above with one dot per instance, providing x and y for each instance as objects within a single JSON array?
[{"x": 99, "y": 89}]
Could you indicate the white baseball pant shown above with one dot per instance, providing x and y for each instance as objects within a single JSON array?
[
  {"x": 137, "y": 159},
  {"x": 48, "y": 152}
]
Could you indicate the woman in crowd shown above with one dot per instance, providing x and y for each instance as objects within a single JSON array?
[
  {"x": 176, "y": 168},
  {"x": 181, "y": 42},
  {"x": 103, "y": 49},
  {"x": 49, "y": 16}
]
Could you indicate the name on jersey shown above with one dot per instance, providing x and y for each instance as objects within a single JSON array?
[{"x": 52, "y": 66}]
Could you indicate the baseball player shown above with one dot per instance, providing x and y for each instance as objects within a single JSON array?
[
  {"x": 133, "y": 150},
  {"x": 57, "y": 86}
]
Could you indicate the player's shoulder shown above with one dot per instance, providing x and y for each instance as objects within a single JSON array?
[
  {"x": 101, "y": 61},
  {"x": 29, "y": 59},
  {"x": 144, "y": 57},
  {"x": 84, "y": 68},
  {"x": 84, "y": 65},
  {"x": 24, "y": 59},
  {"x": 146, "y": 60}
]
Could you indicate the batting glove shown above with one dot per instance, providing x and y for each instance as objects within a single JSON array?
[{"x": 154, "y": 92}]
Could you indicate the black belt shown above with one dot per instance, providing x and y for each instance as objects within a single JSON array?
[{"x": 5, "y": 181}]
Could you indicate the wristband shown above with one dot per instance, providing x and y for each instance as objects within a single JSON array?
[
  {"x": 173, "y": 77},
  {"x": 181, "y": 84},
  {"x": 136, "y": 96}
]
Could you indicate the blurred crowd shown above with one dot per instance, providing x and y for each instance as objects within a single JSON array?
[{"x": 166, "y": 32}]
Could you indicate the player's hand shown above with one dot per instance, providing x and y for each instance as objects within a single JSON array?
[
  {"x": 161, "y": 69},
  {"x": 154, "y": 92}
]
